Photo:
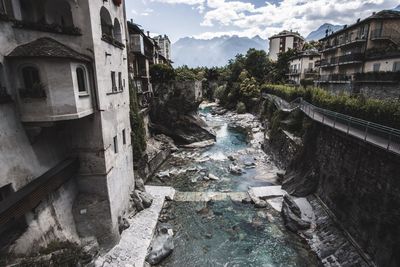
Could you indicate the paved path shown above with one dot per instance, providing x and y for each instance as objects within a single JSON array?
[
  {"x": 380, "y": 137},
  {"x": 132, "y": 248}
]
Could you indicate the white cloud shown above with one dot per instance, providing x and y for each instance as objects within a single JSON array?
[{"x": 300, "y": 15}]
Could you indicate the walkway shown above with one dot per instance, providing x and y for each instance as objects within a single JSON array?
[{"x": 381, "y": 136}]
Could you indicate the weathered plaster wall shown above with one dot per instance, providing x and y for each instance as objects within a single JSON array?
[
  {"x": 51, "y": 220},
  {"x": 379, "y": 91}
]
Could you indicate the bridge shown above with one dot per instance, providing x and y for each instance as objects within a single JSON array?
[{"x": 376, "y": 134}]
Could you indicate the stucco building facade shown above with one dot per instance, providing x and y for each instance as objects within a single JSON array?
[
  {"x": 284, "y": 41},
  {"x": 65, "y": 136}
]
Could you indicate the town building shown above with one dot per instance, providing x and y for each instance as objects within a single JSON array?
[
  {"x": 65, "y": 150},
  {"x": 304, "y": 66},
  {"x": 164, "y": 45},
  {"x": 352, "y": 57},
  {"x": 142, "y": 54},
  {"x": 284, "y": 41}
]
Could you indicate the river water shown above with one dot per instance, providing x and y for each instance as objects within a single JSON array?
[{"x": 227, "y": 233}]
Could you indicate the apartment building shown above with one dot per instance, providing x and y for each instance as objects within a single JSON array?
[
  {"x": 142, "y": 54},
  {"x": 65, "y": 150},
  {"x": 164, "y": 45},
  {"x": 358, "y": 52},
  {"x": 284, "y": 41},
  {"x": 304, "y": 66}
]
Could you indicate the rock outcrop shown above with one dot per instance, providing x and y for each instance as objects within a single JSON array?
[
  {"x": 162, "y": 245},
  {"x": 174, "y": 112}
]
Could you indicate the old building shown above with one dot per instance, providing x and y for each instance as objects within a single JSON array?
[
  {"x": 164, "y": 46},
  {"x": 65, "y": 151},
  {"x": 355, "y": 55},
  {"x": 284, "y": 41},
  {"x": 142, "y": 54},
  {"x": 303, "y": 67}
]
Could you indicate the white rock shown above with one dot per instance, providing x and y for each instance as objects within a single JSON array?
[{"x": 213, "y": 177}]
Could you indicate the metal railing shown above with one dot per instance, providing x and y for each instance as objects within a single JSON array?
[{"x": 376, "y": 134}]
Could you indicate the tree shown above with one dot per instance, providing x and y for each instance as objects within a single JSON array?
[
  {"x": 161, "y": 73},
  {"x": 256, "y": 63},
  {"x": 282, "y": 66}
]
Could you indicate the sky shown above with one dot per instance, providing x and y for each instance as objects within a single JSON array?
[{"x": 206, "y": 19}]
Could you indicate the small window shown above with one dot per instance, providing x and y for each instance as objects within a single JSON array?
[
  {"x": 123, "y": 137},
  {"x": 120, "y": 86},
  {"x": 82, "y": 82},
  {"x": 106, "y": 23},
  {"x": 32, "y": 86},
  {"x": 115, "y": 139},
  {"x": 376, "y": 66},
  {"x": 396, "y": 66},
  {"x": 113, "y": 82},
  {"x": 5, "y": 191}
]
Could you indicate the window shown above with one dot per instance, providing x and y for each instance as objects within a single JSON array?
[
  {"x": 58, "y": 12},
  {"x": 32, "y": 86},
  {"x": 113, "y": 82},
  {"x": 396, "y": 66},
  {"x": 82, "y": 81},
  {"x": 120, "y": 87},
  {"x": 123, "y": 137},
  {"x": 376, "y": 66},
  {"x": 2, "y": 7},
  {"x": 106, "y": 22},
  {"x": 5, "y": 191},
  {"x": 115, "y": 140},
  {"x": 117, "y": 31}
]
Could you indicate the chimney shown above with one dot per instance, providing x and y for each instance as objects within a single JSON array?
[
  {"x": 132, "y": 21},
  {"x": 373, "y": 13},
  {"x": 148, "y": 34}
]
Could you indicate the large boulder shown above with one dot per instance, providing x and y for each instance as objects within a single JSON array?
[
  {"x": 162, "y": 245},
  {"x": 292, "y": 216},
  {"x": 146, "y": 198}
]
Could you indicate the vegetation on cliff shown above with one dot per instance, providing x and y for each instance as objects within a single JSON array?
[
  {"x": 138, "y": 132},
  {"x": 374, "y": 110}
]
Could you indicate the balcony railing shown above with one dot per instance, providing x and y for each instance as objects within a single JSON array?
[
  {"x": 294, "y": 72},
  {"x": 378, "y": 77},
  {"x": 44, "y": 27},
  {"x": 351, "y": 58},
  {"x": 331, "y": 62},
  {"x": 386, "y": 34},
  {"x": 334, "y": 78}
]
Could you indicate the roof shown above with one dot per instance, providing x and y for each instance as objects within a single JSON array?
[
  {"x": 47, "y": 47},
  {"x": 307, "y": 53},
  {"x": 287, "y": 33},
  {"x": 135, "y": 29},
  {"x": 381, "y": 15}
]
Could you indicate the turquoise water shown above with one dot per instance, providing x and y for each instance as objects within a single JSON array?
[
  {"x": 233, "y": 234},
  {"x": 227, "y": 233}
]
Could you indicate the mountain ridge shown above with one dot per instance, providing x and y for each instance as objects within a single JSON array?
[{"x": 214, "y": 52}]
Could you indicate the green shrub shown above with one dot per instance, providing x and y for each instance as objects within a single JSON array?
[
  {"x": 220, "y": 92},
  {"x": 161, "y": 73},
  {"x": 138, "y": 132},
  {"x": 240, "y": 108},
  {"x": 374, "y": 110}
]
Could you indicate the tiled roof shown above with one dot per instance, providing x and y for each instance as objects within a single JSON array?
[{"x": 47, "y": 47}]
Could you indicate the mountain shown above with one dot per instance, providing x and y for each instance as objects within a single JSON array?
[
  {"x": 213, "y": 52},
  {"x": 397, "y": 8},
  {"x": 321, "y": 31}
]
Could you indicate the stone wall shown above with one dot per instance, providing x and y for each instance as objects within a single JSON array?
[{"x": 359, "y": 182}]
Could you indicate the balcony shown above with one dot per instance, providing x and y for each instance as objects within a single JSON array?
[
  {"x": 44, "y": 27},
  {"x": 294, "y": 72},
  {"x": 334, "y": 78},
  {"x": 329, "y": 63},
  {"x": 378, "y": 77},
  {"x": 351, "y": 59},
  {"x": 386, "y": 34}
]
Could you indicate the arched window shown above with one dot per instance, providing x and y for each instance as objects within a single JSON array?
[
  {"x": 33, "y": 87},
  {"x": 117, "y": 31},
  {"x": 81, "y": 77},
  {"x": 59, "y": 12},
  {"x": 106, "y": 22}
]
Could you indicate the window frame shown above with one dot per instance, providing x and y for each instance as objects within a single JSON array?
[
  {"x": 115, "y": 143},
  {"x": 85, "y": 79},
  {"x": 396, "y": 66},
  {"x": 378, "y": 65},
  {"x": 120, "y": 85},
  {"x": 114, "y": 87},
  {"x": 24, "y": 91},
  {"x": 124, "y": 137}
]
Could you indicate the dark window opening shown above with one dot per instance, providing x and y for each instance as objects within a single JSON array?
[
  {"x": 123, "y": 137},
  {"x": 106, "y": 23},
  {"x": 32, "y": 84},
  {"x": 120, "y": 86},
  {"x": 117, "y": 31},
  {"x": 5, "y": 192},
  {"x": 81, "y": 77},
  {"x": 115, "y": 139},
  {"x": 113, "y": 82}
]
